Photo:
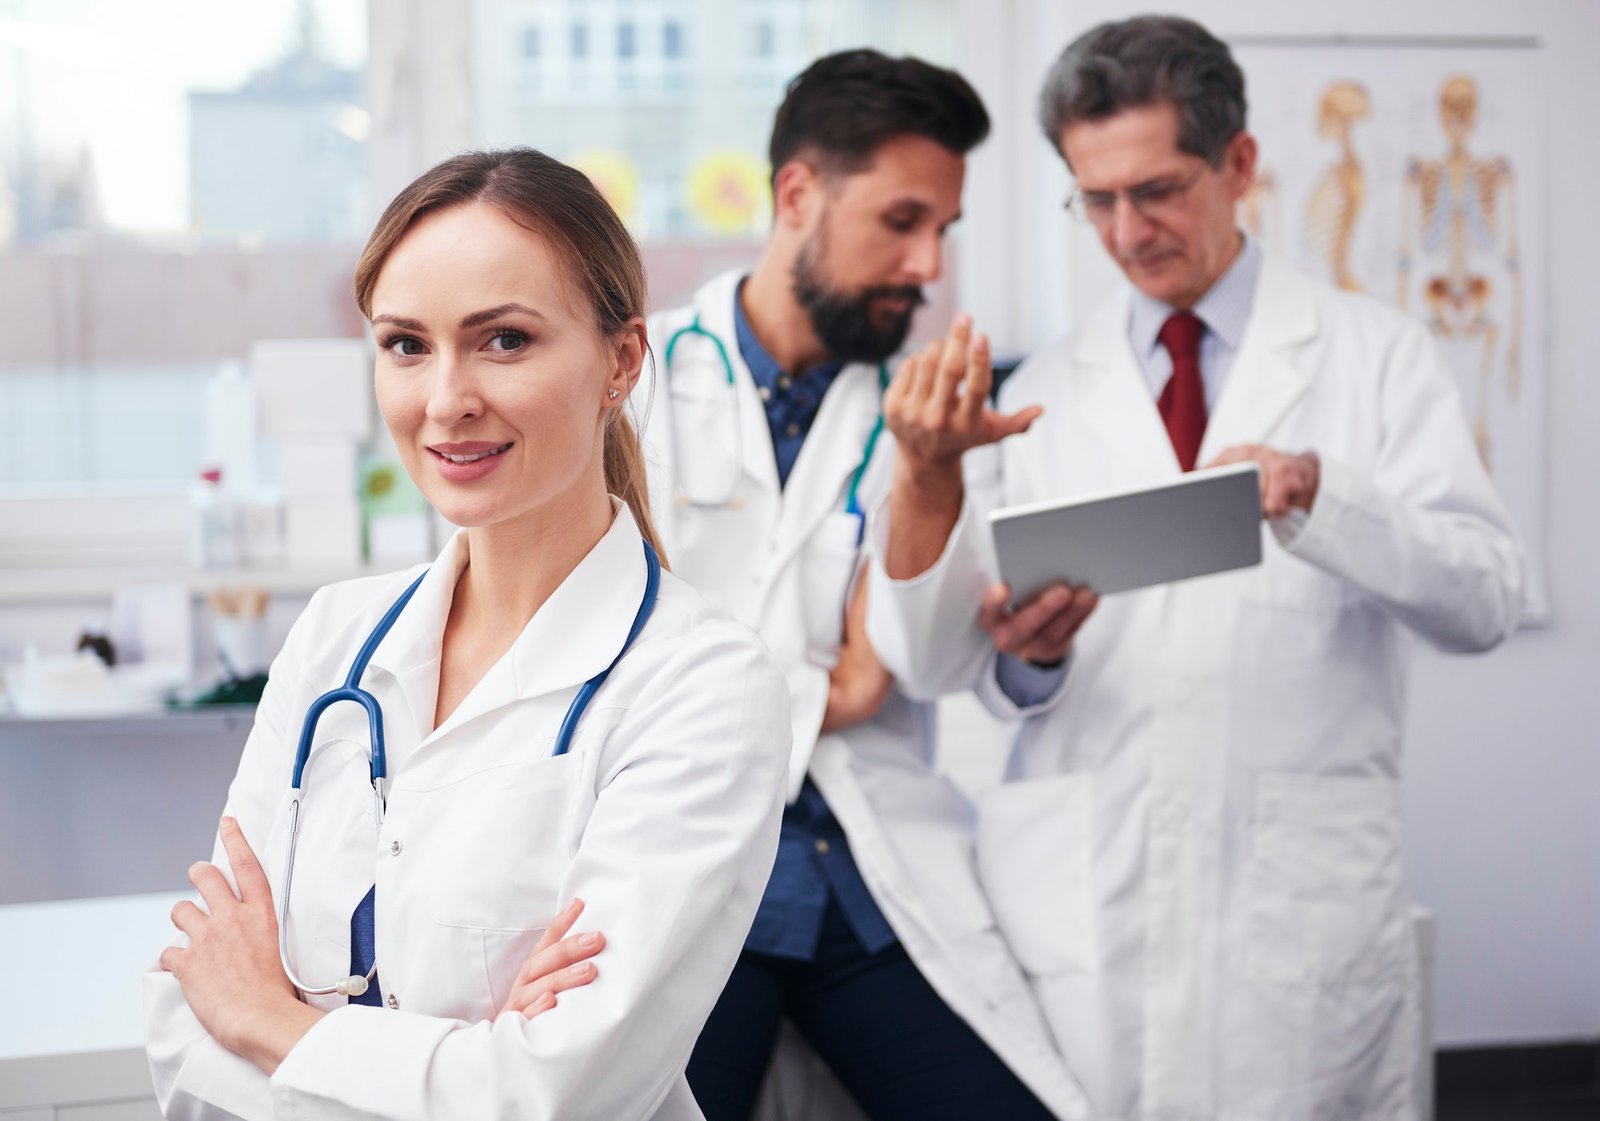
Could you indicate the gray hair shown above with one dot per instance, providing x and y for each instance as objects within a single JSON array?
[{"x": 1144, "y": 61}]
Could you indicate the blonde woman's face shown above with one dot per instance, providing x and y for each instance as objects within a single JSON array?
[{"x": 490, "y": 374}]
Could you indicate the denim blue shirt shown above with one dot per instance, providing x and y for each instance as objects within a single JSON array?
[
  {"x": 813, "y": 853},
  {"x": 791, "y": 402}
]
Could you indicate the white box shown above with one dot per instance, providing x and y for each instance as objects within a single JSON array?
[
  {"x": 396, "y": 540},
  {"x": 317, "y": 468},
  {"x": 322, "y": 533},
  {"x": 313, "y": 387}
]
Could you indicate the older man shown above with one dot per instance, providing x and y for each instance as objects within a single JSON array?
[{"x": 1196, "y": 856}]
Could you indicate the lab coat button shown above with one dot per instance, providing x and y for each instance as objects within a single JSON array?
[
  {"x": 394, "y": 848},
  {"x": 393, "y": 1001},
  {"x": 822, "y": 845}
]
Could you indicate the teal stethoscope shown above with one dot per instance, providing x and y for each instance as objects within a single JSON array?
[
  {"x": 728, "y": 498},
  {"x": 351, "y": 690}
]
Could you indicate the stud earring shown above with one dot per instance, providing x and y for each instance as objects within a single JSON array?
[{"x": 613, "y": 394}]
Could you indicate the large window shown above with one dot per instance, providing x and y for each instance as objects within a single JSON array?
[
  {"x": 673, "y": 122},
  {"x": 181, "y": 178},
  {"x": 177, "y": 179}
]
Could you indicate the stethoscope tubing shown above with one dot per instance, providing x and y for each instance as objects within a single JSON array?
[
  {"x": 852, "y": 498},
  {"x": 352, "y": 691}
]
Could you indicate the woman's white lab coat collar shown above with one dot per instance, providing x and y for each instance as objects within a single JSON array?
[{"x": 586, "y": 619}]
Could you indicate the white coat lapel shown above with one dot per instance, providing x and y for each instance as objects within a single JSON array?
[
  {"x": 714, "y": 303},
  {"x": 409, "y": 653},
  {"x": 1264, "y": 383},
  {"x": 829, "y": 457},
  {"x": 1109, "y": 393},
  {"x": 575, "y": 633}
]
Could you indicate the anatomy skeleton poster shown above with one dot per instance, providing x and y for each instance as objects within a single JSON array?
[{"x": 1414, "y": 171}]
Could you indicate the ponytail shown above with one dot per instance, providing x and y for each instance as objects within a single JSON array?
[{"x": 627, "y": 476}]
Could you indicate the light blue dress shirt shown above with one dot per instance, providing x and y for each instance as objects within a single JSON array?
[{"x": 1225, "y": 311}]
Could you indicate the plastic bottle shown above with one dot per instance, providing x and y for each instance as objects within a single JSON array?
[{"x": 217, "y": 531}]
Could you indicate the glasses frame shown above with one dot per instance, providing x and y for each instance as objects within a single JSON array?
[{"x": 1151, "y": 199}]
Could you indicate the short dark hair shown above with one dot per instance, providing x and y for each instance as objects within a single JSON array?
[
  {"x": 1144, "y": 61},
  {"x": 842, "y": 107}
]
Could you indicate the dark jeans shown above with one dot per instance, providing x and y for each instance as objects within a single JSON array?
[{"x": 872, "y": 1018}]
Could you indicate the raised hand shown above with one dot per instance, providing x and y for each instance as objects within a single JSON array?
[{"x": 938, "y": 404}]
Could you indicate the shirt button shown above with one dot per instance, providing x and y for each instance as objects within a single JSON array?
[
  {"x": 394, "y": 848},
  {"x": 766, "y": 393},
  {"x": 393, "y": 1001},
  {"x": 784, "y": 382},
  {"x": 822, "y": 845},
  {"x": 792, "y": 431}
]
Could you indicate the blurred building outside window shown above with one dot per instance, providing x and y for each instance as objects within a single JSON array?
[{"x": 179, "y": 179}]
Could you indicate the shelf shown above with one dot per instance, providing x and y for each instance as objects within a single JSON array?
[{"x": 20, "y": 586}]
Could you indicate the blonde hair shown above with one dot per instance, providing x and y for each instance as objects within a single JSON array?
[{"x": 602, "y": 262}]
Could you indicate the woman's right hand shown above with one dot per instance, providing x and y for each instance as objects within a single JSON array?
[{"x": 555, "y": 964}]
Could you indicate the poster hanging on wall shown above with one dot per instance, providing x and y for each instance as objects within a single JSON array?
[{"x": 1413, "y": 170}]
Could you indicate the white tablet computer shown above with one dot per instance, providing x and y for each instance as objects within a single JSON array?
[{"x": 1115, "y": 541}]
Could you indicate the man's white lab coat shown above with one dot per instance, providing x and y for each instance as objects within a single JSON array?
[{"x": 1196, "y": 853}]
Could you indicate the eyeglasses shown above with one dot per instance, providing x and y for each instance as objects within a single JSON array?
[{"x": 1156, "y": 199}]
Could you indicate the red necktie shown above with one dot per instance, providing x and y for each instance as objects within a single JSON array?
[{"x": 1183, "y": 401}]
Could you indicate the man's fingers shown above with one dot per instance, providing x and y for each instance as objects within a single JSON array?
[
  {"x": 1059, "y": 632},
  {"x": 1002, "y": 425},
  {"x": 979, "y": 379},
  {"x": 1016, "y": 633},
  {"x": 170, "y": 958},
  {"x": 247, "y": 870},
  {"x": 952, "y": 366},
  {"x": 992, "y": 608},
  {"x": 1275, "y": 484},
  {"x": 212, "y": 885}
]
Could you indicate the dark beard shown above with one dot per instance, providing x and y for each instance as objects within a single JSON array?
[{"x": 844, "y": 322}]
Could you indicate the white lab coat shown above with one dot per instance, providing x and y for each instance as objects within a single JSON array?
[
  {"x": 783, "y": 562},
  {"x": 663, "y": 817},
  {"x": 1196, "y": 853}
]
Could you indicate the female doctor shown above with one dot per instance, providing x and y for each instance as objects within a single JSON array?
[{"x": 505, "y": 298}]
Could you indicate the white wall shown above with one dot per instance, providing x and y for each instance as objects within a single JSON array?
[{"x": 1503, "y": 783}]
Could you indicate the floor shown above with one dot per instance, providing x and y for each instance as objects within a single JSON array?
[{"x": 1572, "y": 1105}]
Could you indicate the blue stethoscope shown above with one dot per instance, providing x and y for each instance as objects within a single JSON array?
[
  {"x": 728, "y": 498},
  {"x": 352, "y": 691}
]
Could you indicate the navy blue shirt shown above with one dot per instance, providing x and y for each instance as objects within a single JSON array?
[{"x": 813, "y": 853}]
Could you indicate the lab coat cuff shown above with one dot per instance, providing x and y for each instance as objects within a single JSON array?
[
  {"x": 926, "y": 628},
  {"x": 877, "y": 541},
  {"x": 360, "y": 1061},
  {"x": 1315, "y": 534}
]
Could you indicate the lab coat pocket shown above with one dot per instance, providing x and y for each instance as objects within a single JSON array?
[
  {"x": 828, "y": 566},
  {"x": 1326, "y": 902},
  {"x": 1034, "y": 842},
  {"x": 500, "y": 862},
  {"x": 708, "y": 470}
]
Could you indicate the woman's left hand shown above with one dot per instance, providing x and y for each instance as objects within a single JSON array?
[{"x": 230, "y": 972}]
